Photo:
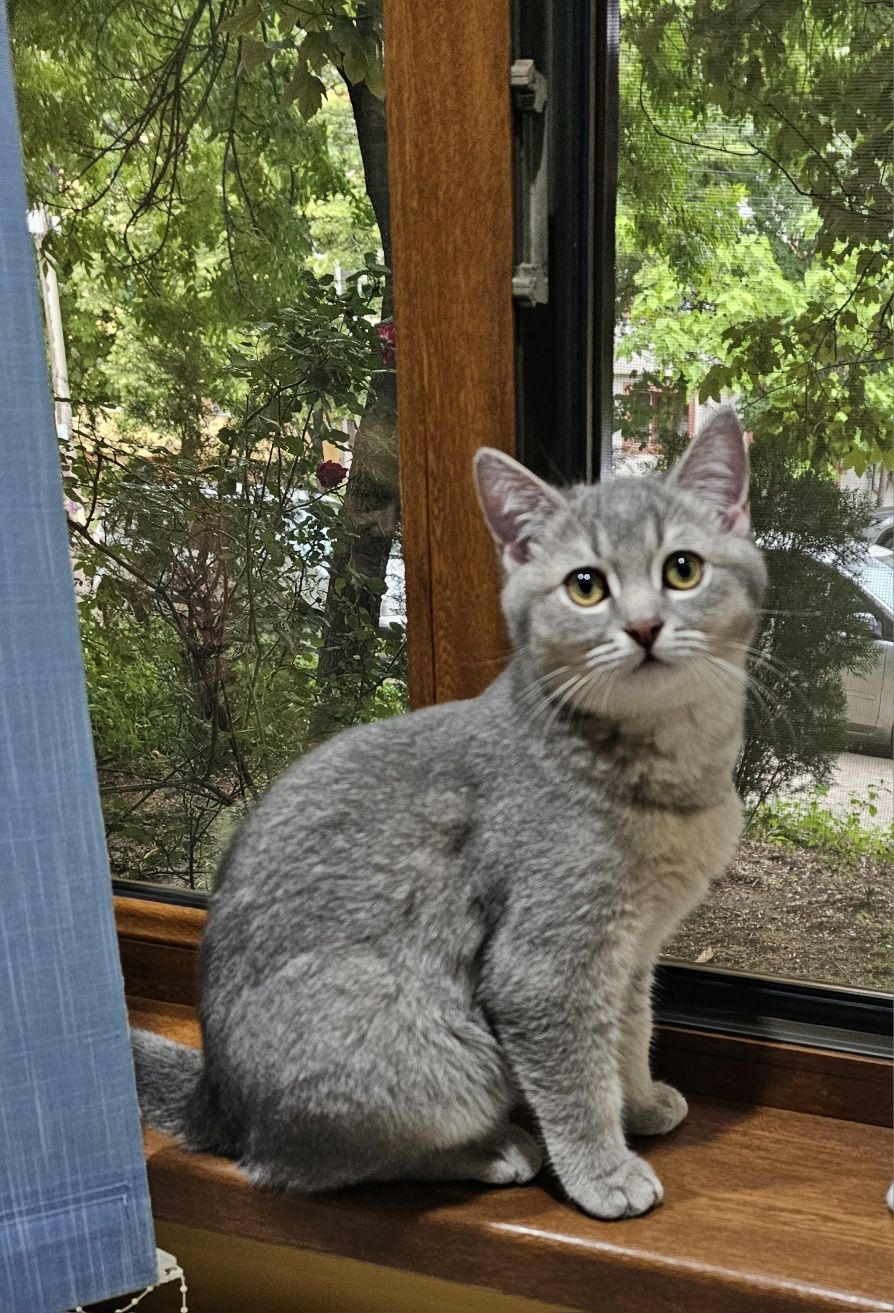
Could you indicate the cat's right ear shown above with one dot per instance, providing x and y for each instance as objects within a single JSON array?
[
  {"x": 715, "y": 467},
  {"x": 515, "y": 502}
]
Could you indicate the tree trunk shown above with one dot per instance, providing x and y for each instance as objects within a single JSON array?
[
  {"x": 369, "y": 119},
  {"x": 370, "y": 513}
]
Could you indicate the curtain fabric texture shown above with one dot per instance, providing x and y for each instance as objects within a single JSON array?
[{"x": 75, "y": 1222}]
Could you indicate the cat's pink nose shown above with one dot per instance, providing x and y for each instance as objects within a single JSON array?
[{"x": 645, "y": 632}]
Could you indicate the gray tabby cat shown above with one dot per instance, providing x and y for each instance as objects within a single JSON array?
[{"x": 429, "y": 918}]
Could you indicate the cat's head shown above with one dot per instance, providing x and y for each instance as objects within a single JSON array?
[{"x": 636, "y": 595}]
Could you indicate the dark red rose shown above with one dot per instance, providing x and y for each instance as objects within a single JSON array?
[
  {"x": 331, "y": 474},
  {"x": 388, "y": 339}
]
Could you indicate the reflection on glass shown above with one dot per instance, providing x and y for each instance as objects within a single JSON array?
[
  {"x": 752, "y": 258},
  {"x": 217, "y": 183}
]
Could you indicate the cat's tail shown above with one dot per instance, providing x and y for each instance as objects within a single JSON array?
[{"x": 168, "y": 1077}]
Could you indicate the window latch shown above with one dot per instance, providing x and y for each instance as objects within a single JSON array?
[{"x": 530, "y": 277}]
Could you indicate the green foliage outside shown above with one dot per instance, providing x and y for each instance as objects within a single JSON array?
[
  {"x": 204, "y": 581},
  {"x": 842, "y": 838},
  {"x": 212, "y": 164},
  {"x": 755, "y": 212}
]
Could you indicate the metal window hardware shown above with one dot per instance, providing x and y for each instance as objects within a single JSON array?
[
  {"x": 530, "y": 278},
  {"x": 529, "y": 85}
]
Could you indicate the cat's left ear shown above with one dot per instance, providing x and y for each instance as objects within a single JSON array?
[
  {"x": 715, "y": 467},
  {"x": 515, "y": 502}
]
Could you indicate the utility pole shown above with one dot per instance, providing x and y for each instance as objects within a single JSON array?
[{"x": 40, "y": 225}]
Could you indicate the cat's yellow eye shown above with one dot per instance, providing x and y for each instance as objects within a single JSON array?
[
  {"x": 683, "y": 570},
  {"x": 586, "y": 587}
]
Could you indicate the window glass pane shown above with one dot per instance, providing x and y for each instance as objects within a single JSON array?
[
  {"x": 211, "y": 206},
  {"x": 753, "y": 268}
]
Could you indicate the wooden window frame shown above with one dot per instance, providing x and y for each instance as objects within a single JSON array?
[{"x": 447, "y": 77}]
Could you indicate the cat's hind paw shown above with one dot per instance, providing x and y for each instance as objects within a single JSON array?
[
  {"x": 631, "y": 1189},
  {"x": 516, "y": 1162},
  {"x": 660, "y": 1112}
]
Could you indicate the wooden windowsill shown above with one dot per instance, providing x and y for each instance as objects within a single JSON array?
[{"x": 767, "y": 1210}]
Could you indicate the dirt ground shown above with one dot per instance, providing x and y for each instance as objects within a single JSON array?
[{"x": 783, "y": 912}]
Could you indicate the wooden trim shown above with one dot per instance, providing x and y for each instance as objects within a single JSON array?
[
  {"x": 163, "y": 973},
  {"x": 449, "y": 145},
  {"x": 775, "y": 1075},
  {"x": 175, "y": 1020},
  {"x": 159, "y": 923},
  {"x": 158, "y": 945}
]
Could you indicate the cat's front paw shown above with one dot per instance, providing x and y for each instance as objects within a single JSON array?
[
  {"x": 629, "y": 1190},
  {"x": 660, "y": 1112}
]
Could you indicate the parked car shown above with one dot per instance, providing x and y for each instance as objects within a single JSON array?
[
  {"x": 880, "y": 530},
  {"x": 394, "y": 599},
  {"x": 870, "y": 696}
]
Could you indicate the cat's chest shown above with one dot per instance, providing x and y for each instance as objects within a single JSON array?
[{"x": 670, "y": 860}]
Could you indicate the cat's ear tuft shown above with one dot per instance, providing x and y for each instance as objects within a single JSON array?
[
  {"x": 715, "y": 467},
  {"x": 515, "y": 502}
]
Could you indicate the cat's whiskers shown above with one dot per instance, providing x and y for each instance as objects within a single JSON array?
[
  {"x": 608, "y": 681},
  {"x": 543, "y": 697},
  {"x": 564, "y": 698},
  {"x": 768, "y": 611},
  {"x": 600, "y": 681},
  {"x": 695, "y": 636},
  {"x": 597, "y": 655},
  {"x": 536, "y": 700},
  {"x": 766, "y": 700},
  {"x": 610, "y": 659},
  {"x": 758, "y": 653},
  {"x": 682, "y": 643},
  {"x": 702, "y": 644},
  {"x": 770, "y": 702},
  {"x": 715, "y": 678},
  {"x": 604, "y": 675},
  {"x": 723, "y": 671},
  {"x": 533, "y": 692},
  {"x": 774, "y": 666}
]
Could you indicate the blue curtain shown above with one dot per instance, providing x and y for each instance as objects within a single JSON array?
[{"x": 75, "y": 1223}]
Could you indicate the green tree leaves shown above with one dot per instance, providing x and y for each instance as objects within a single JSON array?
[
  {"x": 305, "y": 90},
  {"x": 310, "y": 37},
  {"x": 754, "y": 200}
]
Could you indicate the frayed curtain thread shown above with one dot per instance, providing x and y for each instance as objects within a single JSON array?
[{"x": 168, "y": 1270}]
